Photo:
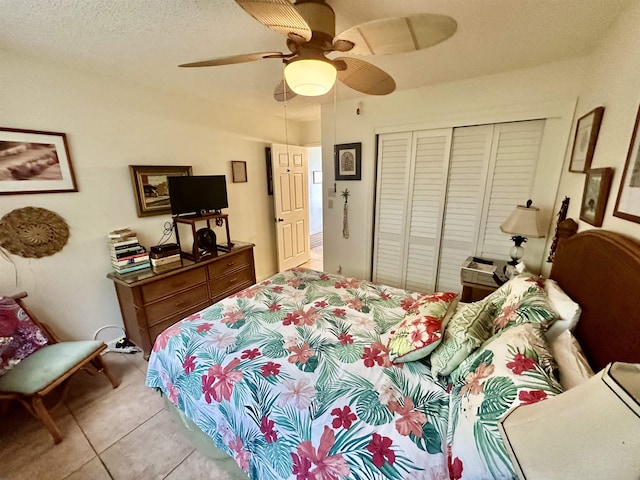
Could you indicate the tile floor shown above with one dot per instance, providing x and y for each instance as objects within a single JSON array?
[{"x": 122, "y": 433}]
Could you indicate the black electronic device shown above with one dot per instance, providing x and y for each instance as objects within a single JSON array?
[
  {"x": 197, "y": 194},
  {"x": 164, "y": 248},
  {"x": 205, "y": 241}
]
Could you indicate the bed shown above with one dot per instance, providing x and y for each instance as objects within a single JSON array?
[{"x": 301, "y": 376}]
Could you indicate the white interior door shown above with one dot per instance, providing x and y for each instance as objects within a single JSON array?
[{"x": 291, "y": 204}]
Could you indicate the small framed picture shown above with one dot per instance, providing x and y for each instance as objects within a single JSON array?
[
  {"x": 238, "y": 171},
  {"x": 348, "y": 161},
  {"x": 595, "y": 195},
  {"x": 151, "y": 188},
  {"x": 32, "y": 161},
  {"x": 317, "y": 176},
  {"x": 628, "y": 200},
  {"x": 584, "y": 143}
]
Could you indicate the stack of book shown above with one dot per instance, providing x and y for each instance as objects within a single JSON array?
[
  {"x": 164, "y": 254},
  {"x": 127, "y": 255}
]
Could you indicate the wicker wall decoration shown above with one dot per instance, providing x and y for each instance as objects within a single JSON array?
[{"x": 33, "y": 232}]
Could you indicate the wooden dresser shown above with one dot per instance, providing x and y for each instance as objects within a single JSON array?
[{"x": 154, "y": 299}]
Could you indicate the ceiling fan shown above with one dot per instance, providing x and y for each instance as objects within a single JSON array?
[{"x": 309, "y": 26}]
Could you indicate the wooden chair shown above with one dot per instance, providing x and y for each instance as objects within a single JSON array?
[{"x": 48, "y": 368}]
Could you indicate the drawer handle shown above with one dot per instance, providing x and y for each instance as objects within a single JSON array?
[
  {"x": 233, "y": 280},
  {"x": 179, "y": 304},
  {"x": 179, "y": 284},
  {"x": 231, "y": 264}
]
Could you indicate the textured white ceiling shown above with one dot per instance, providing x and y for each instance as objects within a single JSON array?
[{"x": 145, "y": 40}]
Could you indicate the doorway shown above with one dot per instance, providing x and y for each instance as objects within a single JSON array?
[{"x": 314, "y": 155}]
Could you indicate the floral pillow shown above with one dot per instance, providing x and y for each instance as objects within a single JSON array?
[
  {"x": 513, "y": 368},
  {"x": 521, "y": 300},
  {"x": 20, "y": 336},
  {"x": 469, "y": 328},
  {"x": 420, "y": 331}
]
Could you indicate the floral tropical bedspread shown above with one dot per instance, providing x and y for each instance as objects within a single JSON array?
[{"x": 292, "y": 378}]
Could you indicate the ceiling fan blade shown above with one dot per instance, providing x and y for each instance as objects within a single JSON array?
[
  {"x": 399, "y": 34},
  {"x": 283, "y": 92},
  {"x": 279, "y": 15},
  {"x": 247, "y": 57},
  {"x": 365, "y": 77}
]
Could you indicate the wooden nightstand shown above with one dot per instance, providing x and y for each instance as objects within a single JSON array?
[
  {"x": 472, "y": 292},
  {"x": 477, "y": 278}
]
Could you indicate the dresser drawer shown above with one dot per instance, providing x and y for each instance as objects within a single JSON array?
[
  {"x": 233, "y": 282},
  {"x": 175, "y": 283},
  {"x": 158, "y": 328},
  {"x": 176, "y": 304},
  {"x": 230, "y": 262}
]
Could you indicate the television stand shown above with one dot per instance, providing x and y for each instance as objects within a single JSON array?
[{"x": 218, "y": 218}]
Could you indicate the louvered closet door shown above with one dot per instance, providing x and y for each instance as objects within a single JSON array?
[
  {"x": 470, "y": 155},
  {"x": 394, "y": 160},
  {"x": 515, "y": 152},
  {"x": 427, "y": 189}
]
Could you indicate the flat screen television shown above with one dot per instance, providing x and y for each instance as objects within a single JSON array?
[{"x": 197, "y": 194}]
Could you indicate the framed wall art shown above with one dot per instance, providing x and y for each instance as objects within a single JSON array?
[
  {"x": 151, "y": 189},
  {"x": 238, "y": 171},
  {"x": 628, "y": 200},
  {"x": 595, "y": 195},
  {"x": 584, "y": 143},
  {"x": 348, "y": 161},
  {"x": 33, "y": 161}
]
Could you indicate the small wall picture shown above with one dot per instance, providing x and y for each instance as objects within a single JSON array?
[
  {"x": 151, "y": 188},
  {"x": 584, "y": 143},
  {"x": 595, "y": 195},
  {"x": 238, "y": 171},
  {"x": 348, "y": 161},
  {"x": 628, "y": 200},
  {"x": 33, "y": 161}
]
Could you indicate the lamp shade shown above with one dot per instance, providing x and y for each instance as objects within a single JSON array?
[
  {"x": 310, "y": 77},
  {"x": 523, "y": 221},
  {"x": 589, "y": 431}
]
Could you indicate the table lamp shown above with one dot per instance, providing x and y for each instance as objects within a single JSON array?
[
  {"x": 523, "y": 222},
  {"x": 589, "y": 431}
]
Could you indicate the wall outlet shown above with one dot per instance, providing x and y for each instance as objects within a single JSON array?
[
  {"x": 330, "y": 203},
  {"x": 331, "y": 193}
]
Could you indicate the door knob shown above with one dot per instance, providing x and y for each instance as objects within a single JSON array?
[{"x": 279, "y": 219}]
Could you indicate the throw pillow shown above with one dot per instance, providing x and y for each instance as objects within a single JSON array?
[
  {"x": 466, "y": 331},
  {"x": 420, "y": 331},
  {"x": 521, "y": 300},
  {"x": 568, "y": 311},
  {"x": 513, "y": 368},
  {"x": 21, "y": 337}
]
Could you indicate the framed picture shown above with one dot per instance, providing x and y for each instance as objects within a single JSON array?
[
  {"x": 151, "y": 189},
  {"x": 317, "y": 176},
  {"x": 584, "y": 143},
  {"x": 238, "y": 171},
  {"x": 348, "y": 161},
  {"x": 32, "y": 161},
  {"x": 595, "y": 195},
  {"x": 628, "y": 200}
]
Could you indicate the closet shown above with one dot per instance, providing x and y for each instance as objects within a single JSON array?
[{"x": 441, "y": 196}]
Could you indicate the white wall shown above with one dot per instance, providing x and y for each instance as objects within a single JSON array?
[
  {"x": 612, "y": 81},
  {"x": 315, "y": 190},
  {"x": 109, "y": 125},
  {"x": 548, "y": 91}
]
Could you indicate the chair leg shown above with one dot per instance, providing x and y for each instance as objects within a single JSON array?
[
  {"x": 104, "y": 369},
  {"x": 43, "y": 415}
]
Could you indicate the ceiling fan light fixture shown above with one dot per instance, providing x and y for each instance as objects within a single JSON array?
[{"x": 310, "y": 77}]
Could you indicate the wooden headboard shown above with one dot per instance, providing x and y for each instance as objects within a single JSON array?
[{"x": 600, "y": 270}]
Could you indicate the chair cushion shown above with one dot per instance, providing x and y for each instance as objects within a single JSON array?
[
  {"x": 19, "y": 335},
  {"x": 43, "y": 367}
]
